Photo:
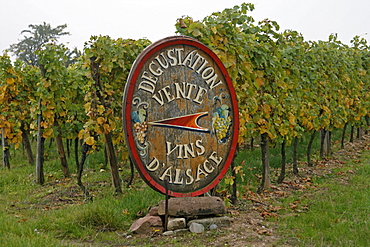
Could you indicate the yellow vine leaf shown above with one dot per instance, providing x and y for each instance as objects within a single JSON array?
[
  {"x": 17, "y": 139},
  {"x": 10, "y": 81},
  {"x": 16, "y": 145},
  {"x": 100, "y": 120},
  {"x": 309, "y": 126},
  {"x": 283, "y": 130},
  {"x": 33, "y": 126},
  {"x": 90, "y": 141},
  {"x": 241, "y": 138},
  {"x": 87, "y": 105},
  {"x": 82, "y": 134},
  {"x": 326, "y": 109},
  {"x": 48, "y": 114},
  {"x": 110, "y": 92},
  {"x": 266, "y": 109},
  {"x": 46, "y": 83},
  {"x": 292, "y": 119},
  {"x": 259, "y": 81},
  {"x": 10, "y": 70},
  {"x": 98, "y": 130},
  {"x": 107, "y": 128},
  {"x": 44, "y": 124},
  {"x": 47, "y": 133},
  {"x": 101, "y": 109}
]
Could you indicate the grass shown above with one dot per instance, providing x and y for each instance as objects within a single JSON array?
[
  {"x": 339, "y": 211},
  {"x": 56, "y": 214},
  {"x": 338, "y": 206}
]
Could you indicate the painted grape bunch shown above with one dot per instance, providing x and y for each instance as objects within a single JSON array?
[
  {"x": 140, "y": 125},
  {"x": 222, "y": 122}
]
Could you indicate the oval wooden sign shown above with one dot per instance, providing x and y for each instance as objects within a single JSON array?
[{"x": 180, "y": 116}]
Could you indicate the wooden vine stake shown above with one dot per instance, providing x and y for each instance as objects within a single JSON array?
[
  {"x": 6, "y": 153},
  {"x": 112, "y": 158},
  {"x": 40, "y": 149}
]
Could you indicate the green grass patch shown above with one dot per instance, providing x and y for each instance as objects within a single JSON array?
[
  {"x": 56, "y": 213},
  {"x": 338, "y": 212}
]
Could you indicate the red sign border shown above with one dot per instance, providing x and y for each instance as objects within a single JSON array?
[{"x": 127, "y": 105}]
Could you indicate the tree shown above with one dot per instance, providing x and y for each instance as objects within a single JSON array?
[{"x": 34, "y": 38}]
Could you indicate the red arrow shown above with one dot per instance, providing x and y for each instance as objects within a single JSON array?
[{"x": 188, "y": 122}]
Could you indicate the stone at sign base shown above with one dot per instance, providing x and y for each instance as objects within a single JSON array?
[
  {"x": 196, "y": 228},
  {"x": 147, "y": 224},
  {"x": 176, "y": 223},
  {"x": 168, "y": 233},
  {"x": 153, "y": 211},
  {"x": 223, "y": 221},
  {"x": 191, "y": 206},
  {"x": 213, "y": 227}
]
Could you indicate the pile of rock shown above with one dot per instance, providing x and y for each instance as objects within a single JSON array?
[{"x": 195, "y": 214}]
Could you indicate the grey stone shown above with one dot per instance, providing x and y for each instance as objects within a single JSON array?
[
  {"x": 176, "y": 223},
  {"x": 181, "y": 230},
  {"x": 153, "y": 211},
  {"x": 213, "y": 227},
  {"x": 168, "y": 233},
  {"x": 196, "y": 228},
  {"x": 193, "y": 206},
  {"x": 147, "y": 224},
  {"x": 222, "y": 221}
]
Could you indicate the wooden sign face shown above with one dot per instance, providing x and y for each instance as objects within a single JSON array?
[{"x": 180, "y": 116}]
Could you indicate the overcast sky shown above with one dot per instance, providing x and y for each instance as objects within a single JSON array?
[{"x": 155, "y": 19}]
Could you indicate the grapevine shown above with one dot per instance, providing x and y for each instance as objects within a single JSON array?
[{"x": 286, "y": 86}]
